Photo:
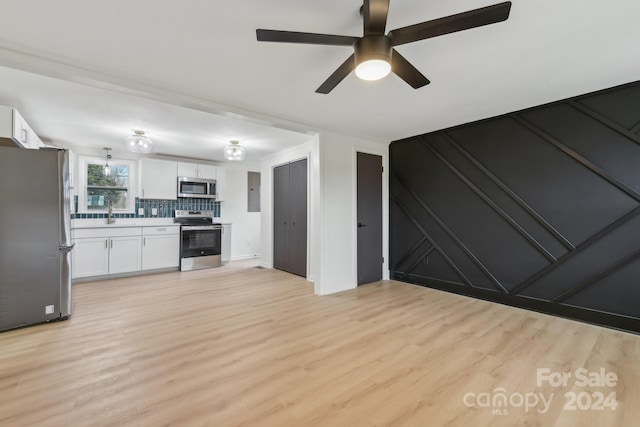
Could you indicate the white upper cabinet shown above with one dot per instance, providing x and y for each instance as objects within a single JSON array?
[
  {"x": 197, "y": 170},
  {"x": 158, "y": 179},
  {"x": 14, "y": 127},
  {"x": 221, "y": 184},
  {"x": 188, "y": 169},
  {"x": 207, "y": 172},
  {"x": 20, "y": 129}
]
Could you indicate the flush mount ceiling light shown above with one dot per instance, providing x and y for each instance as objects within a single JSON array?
[
  {"x": 374, "y": 55},
  {"x": 234, "y": 152},
  {"x": 106, "y": 169},
  {"x": 139, "y": 143}
]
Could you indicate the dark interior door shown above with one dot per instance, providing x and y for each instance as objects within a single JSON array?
[
  {"x": 290, "y": 217},
  {"x": 281, "y": 217},
  {"x": 369, "y": 214},
  {"x": 298, "y": 218}
]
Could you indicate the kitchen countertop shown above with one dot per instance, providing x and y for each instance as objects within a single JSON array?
[
  {"x": 123, "y": 222},
  {"x": 131, "y": 222}
]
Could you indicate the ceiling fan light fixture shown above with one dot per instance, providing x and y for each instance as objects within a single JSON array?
[
  {"x": 139, "y": 142},
  {"x": 376, "y": 43},
  {"x": 373, "y": 57},
  {"x": 234, "y": 152},
  {"x": 373, "y": 69}
]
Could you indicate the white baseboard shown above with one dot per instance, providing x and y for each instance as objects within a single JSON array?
[{"x": 238, "y": 257}]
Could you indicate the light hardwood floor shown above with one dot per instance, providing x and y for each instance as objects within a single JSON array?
[{"x": 240, "y": 345}]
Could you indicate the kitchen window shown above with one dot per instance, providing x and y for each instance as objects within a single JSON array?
[{"x": 100, "y": 189}]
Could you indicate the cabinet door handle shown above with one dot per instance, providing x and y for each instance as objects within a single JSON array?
[
  {"x": 144, "y": 241},
  {"x": 112, "y": 244},
  {"x": 143, "y": 193},
  {"x": 161, "y": 229},
  {"x": 106, "y": 244}
]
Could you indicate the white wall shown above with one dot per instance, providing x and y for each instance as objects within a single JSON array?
[
  {"x": 245, "y": 230},
  {"x": 332, "y": 256},
  {"x": 338, "y": 239}
]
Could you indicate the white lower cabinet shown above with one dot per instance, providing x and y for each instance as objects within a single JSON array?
[
  {"x": 90, "y": 257},
  {"x": 106, "y": 250},
  {"x": 160, "y": 247},
  {"x": 103, "y": 251},
  {"x": 124, "y": 254}
]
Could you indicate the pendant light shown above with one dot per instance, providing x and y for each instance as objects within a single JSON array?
[
  {"x": 106, "y": 169},
  {"x": 139, "y": 143},
  {"x": 234, "y": 152}
]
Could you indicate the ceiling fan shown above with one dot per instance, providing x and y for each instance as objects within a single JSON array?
[{"x": 374, "y": 54}]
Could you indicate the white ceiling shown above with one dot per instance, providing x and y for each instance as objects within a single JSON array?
[
  {"x": 78, "y": 116},
  {"x": 203, "y": 54}
]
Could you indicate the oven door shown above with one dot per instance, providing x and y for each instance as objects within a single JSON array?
[{"x": 197, "y": 241}]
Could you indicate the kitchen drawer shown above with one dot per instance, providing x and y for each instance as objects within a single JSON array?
[
  {"x": 166, "y": 229},
  {"x": 82, "y": 233}
]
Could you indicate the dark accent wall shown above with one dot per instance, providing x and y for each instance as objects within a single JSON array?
[{"x": 538, "y": 209}]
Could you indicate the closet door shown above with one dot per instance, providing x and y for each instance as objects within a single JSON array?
[
  {"x": 290, "y": 218},
  {"x": 298, "y": 218},
  {"x": 281, "y": 178}
]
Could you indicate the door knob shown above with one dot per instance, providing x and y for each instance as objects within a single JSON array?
[{"x": 360, "y": 225}]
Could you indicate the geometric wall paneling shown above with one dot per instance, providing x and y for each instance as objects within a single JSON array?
[
  {"x": 441, "y": 237},
  {"x": 433, "y": 265},
  {"x": 616, "y": 292},
  {"x": 411, "y": 232},
  {"x": 495, "y": 191},
  {"x": 588, "y": 261},
  {"x": 538, "y": 209},
  {"x": 466, "y": 267},
  {"x": 571, "y": 197},
  {"x": 451, "y": 202},
  {"x": 619, "y": 105},
  {"x": 573, "y": 128}
]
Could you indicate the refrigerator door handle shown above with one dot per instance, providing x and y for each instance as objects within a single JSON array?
[
  {"x": 66, "y": 248},
  {"x": 65, "y": 198},
  {"x": 65, "y": 283}
]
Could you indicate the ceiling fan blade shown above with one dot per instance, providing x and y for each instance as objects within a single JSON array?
[
  {"x": 406, "y": 71},
  {"x": 451, "y": 24},
  {"x": 305, "y": 38},
  {"x": 337, "y": 76},
  {"x": 374, "y": 15}
]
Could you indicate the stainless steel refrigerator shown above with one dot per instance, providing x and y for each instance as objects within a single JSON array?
[{"x": 35, "y": 236}]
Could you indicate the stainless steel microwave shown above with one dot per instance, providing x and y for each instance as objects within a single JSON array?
[{"x": 196, "y": 187}]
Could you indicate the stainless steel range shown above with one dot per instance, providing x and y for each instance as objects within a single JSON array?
[{"x": 200, "y": 240}]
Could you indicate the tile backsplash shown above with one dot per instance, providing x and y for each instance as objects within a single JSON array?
[{"x": 166, "y": 208}]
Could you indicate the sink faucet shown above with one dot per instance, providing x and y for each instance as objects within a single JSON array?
[{"x": 110, "y": 218}]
